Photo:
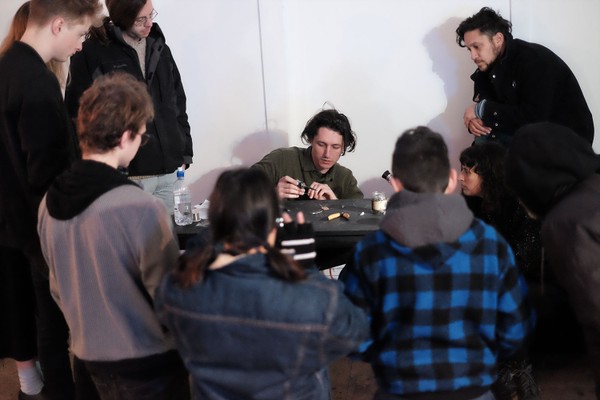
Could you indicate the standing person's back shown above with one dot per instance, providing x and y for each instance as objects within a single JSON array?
[
  {"x": 108, "y": 245},
  {"x": 441, "y": 287},
  {"x": 36, "y": 145}
]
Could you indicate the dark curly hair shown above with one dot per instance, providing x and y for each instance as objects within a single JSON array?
[
  {"x": 333, "y": 120},
  {"x": 487, "y": 160},
  {"x": 488, "y": 21}
]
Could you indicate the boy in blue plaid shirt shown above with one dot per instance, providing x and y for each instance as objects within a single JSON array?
[{"x": 443, "y": 294}]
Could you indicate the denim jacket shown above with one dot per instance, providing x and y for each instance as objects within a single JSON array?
[{"x": 243, "y": 333}]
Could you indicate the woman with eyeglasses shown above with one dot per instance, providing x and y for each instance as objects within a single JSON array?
[
  {"x": 248, "y": 320},
  {"x": 108, "y": 244}
]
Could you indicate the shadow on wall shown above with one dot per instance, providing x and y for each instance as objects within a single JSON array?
[
  {"x": 453, "y": 65},
  {"x": 244, "y": 153}
]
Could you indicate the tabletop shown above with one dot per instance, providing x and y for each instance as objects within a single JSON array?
[{"x": 358, "y": 220}]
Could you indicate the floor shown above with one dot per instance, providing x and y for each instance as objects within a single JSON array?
[{"x": 560, "y": 378}]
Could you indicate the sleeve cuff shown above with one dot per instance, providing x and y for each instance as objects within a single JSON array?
[{"x": 480, "y": 108}]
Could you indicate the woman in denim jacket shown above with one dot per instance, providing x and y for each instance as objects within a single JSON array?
[{"x": 249, "y": 322}]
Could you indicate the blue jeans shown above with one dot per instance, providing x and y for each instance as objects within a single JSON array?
[
  {"x": 156, "y": 377},
  {"x": 160, "y": 186}
]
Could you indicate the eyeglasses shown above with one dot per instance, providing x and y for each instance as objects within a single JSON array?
[
  {"x": 141, "y": 21},
  {"x": 144, "y": 139}
]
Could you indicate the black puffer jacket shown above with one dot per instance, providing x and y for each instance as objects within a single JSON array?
[
  {"x": 530, "y": 83},
  {"x": 170, "y": 145}
]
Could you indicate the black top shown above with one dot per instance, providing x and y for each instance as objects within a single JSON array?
[{"x": 37, "y": 141}]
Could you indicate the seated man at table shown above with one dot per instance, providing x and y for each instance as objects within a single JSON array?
[
  {"x": 444, "y": 296},
  {"x": 313, "y": 172}
]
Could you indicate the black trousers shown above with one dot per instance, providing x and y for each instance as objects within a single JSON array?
[
  {"x": 156, "y": 377},
  {"x": 52, "y": 332}
]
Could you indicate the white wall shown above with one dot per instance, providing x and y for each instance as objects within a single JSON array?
[{"x": 256, "y": 70}]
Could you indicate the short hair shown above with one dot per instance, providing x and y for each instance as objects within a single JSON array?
[
  {"x": 124, "y": 12},
  {"x": 42, "y": 11},
  {"x": 420, "y": 161},
  {"x": 488, "y": 21},
  {"x": 334, "y": 120},
  {"x": 113, "y": 104},
  {"x": 487, "y": 160},
  {"x": 242, "y": 213}
]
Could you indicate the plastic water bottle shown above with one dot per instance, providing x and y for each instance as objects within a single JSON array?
[{"x": 182, "y": 200}]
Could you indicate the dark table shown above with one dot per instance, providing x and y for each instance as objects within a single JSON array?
[
  {"x": 340, "y": 231},
  {"x": 335, "y": 239}
]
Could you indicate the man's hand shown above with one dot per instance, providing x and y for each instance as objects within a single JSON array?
[
  {"x": 475, "y": 125},
  {"x": 320, "y": 191},
  {"x": 287, "y": 188}
]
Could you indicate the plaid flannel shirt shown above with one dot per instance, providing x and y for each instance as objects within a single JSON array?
[{"x": 440, "y": 314}]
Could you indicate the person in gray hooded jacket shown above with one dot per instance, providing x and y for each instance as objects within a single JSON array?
[
  {"x": 556, "y": 175},
  {"x": 108, "y": 245}
]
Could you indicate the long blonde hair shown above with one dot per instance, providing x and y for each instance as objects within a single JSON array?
[{"x": 15, "y": 32}]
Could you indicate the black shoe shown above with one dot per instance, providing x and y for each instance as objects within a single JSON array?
[{"x": 39, "y": 396}]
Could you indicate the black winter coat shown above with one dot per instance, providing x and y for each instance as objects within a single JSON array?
[
  {"x": 529, "y": 83},
  {"x": 170, "y": 144}
]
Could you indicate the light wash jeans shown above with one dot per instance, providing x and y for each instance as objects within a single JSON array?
[{"x": 160, "y": 186}]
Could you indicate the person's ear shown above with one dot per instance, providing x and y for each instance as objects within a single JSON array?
[
  {"x": 498, "y": 39},
  {"x": 452, "y": 182},
  {"x": 57, "y": 24},
  {"x": 396, "y": 184},
  {"x": 125, "y": 137}
]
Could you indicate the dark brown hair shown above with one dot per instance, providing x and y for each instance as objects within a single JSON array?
[
  {"x": 242, "y": 213},
  {"x": 124, "y": 12},
  {"x": 334, "y": 120}
]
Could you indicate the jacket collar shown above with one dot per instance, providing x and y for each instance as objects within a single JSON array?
[{"x": 419, "y": 219}]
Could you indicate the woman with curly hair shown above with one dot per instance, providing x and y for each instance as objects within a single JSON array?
[{"x": 483, "y": 186}]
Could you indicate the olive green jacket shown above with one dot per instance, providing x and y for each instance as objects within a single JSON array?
[{"x": 297, "y": 163}]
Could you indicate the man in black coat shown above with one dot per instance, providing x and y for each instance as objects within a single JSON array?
[
  {"x": 36, "y": 144},
  {"x": 131, "y": 42},
  {"x": 517, "y": 82}
]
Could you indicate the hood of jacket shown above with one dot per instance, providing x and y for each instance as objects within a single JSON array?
[
  {"x": 545, "y": 161},
  {"x": 420, "y": 219},
  {"x": 78, "y": 187}
]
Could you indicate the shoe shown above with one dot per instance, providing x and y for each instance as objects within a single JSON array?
[{"x": 25, "y": 396}]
